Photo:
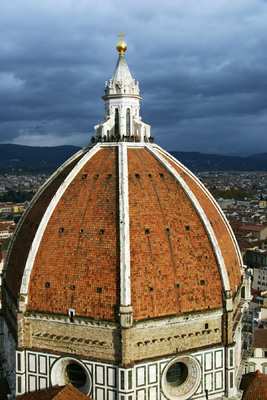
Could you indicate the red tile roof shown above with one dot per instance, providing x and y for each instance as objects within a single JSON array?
[
  {"x": 27, "y": 228},
  {"x": 81, "y": 264},
  {"x": 260, "y": 338},
  {"x": 251, "y": 227},
  {"x": 254, "y": 385},
  {"x": 173, "y": 265},
  {"x": 221, "y": 229},
  {"x": 68, "y": 392}
]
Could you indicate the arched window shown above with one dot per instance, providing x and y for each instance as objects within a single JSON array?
[
  {"x": 264, "y": 368},
  {"x": 117, "y": 123},
  {"x": 251, "y": 367},
  {"x": 128, "y": 122}
]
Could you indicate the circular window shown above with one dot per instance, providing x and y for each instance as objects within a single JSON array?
[
  {"x": 68, "y": 370},
  {"x": 181, "y": 378},
  {"x": 76, "y": 375},
  {"x": 177, "y": 374}
]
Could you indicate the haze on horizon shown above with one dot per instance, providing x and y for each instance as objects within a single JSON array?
[{"x": 202, "y": 68}]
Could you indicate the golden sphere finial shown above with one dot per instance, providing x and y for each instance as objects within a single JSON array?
[{"x": 121, "y": 45}]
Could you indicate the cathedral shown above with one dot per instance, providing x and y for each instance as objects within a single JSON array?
[{"x": 124, "y": 277}]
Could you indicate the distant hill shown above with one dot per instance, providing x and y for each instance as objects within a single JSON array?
[
  {"x": 33, "y": 159},
  {"x": 217, "y": 162},
  {"x": 45, "y": 159}
]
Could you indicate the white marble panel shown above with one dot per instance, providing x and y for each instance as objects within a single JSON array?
[
  {"x": 218, "y": 380},
  {"x": 208, "y": 382},
  {"x": 152, "y": 393},
  {"x": 32, "y": 362},
  {"x": 208, "y": 361},
  {"x": 42, "y": 383},
  {"x": 152, "y": 373},
  {"x": 141, "y": 376},
  {"x": 111, "y": 376},
  {"x": 100, "y": 394},
  {"x": 141, "y": 394},
  {"x": 111, "y": 395},
  {"x": 218, "y": 359},
  {"x": 42, "y": 365},
  {"x": 99, "y": 375},
  {"x": 32, "y": 383}
]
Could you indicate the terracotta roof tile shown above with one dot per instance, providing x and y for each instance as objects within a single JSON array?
[
  {"x": 173, "y": 266},
  {"x": 26, "y": 231},
  {"x": 224, "y": 239},
  {"x": 78, "y": 267},
  {"x": 254, "y": 385},
  {"x": 260, "y": 338},
  {"x": 68, "y": 392}
]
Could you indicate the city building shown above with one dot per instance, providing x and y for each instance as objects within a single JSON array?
[
  {"x": 263, "y": 310},
  {"x": 258, "y": 361},
  {"x": 256, "y": 344},
  {"x": 256, "y": 231},
  {"x": 259, "y": 281},
  {"x": 6, "y": 229},
  {"x": 263, "y": 203},
  {"x": 124, "y": 277},
  {"x": 256, "y": 259}
]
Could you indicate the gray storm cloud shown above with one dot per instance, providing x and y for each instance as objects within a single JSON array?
[{"x": 202, "y": 68}]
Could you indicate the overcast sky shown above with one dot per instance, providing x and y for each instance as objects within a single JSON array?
[{"x": 202, "y": 68}]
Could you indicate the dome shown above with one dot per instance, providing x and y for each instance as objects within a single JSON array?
[
  {"x": 123, "y": 221},
  {"x": 254, "y": 385},
  {"x": 123, "y": 276}
]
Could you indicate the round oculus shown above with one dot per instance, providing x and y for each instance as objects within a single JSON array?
[
  {"x": 181, "y": 378},
  {"x": 67, "y": 370}
]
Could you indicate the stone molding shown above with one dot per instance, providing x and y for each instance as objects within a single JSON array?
[{"x": 125, "y": 261}]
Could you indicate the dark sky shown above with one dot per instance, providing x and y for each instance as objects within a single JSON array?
[{"x": 202, "y": 67}]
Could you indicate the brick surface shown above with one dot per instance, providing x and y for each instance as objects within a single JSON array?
[
  {"x": 220, "y": 229},
  {"x": 21, "y": 246},
  {"x": 77, "y": 264},
  {"x": 173, "y": 266}
]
